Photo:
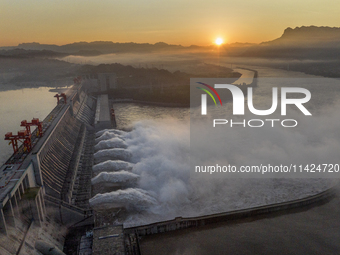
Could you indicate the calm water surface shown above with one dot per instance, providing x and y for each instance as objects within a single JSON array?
[
  {"x": 18, "y": 105},
  {"x": 129, "y": 113}
]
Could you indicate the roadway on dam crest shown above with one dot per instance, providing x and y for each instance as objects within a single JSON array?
[{"x": 314, "y": 229}]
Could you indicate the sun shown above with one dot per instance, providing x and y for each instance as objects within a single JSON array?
[{"x": 219, "y": 41}]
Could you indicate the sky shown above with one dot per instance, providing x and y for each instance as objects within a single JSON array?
[{"x": 184, "y": 22}]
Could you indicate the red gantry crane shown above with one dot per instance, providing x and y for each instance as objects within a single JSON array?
[
  {"x": 77, "y": 80},
  {"x": 63, "y": 95},
  {"x": 22, "y": 136},
  {"x": 25, "y": 136},
  {"x": 35, "y": 122}
]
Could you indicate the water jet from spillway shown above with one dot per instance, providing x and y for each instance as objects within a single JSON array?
[
  {"x": 109, "y": 133},
  {"x": 112, "y": 166},
  {"x": 114, "y": 178},
  {"x": 112, "y": 154},
  {"x": 131, "y": 199},
  {"x": 110, "y": 144}
]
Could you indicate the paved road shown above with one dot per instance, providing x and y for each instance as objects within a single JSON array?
[{"x": 310, "y": 230}]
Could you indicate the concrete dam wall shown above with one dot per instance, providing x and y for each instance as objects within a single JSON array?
[
  {"x": 56, "y": 155},
  {"x": 50, "y": 184},
  {"x": 59, "y": 156}
]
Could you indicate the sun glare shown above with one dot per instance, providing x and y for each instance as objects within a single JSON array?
[{"x": 219, "y": 41}]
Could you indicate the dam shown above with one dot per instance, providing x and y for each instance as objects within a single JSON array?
[
  {"x": 46, "y": 190},
  {"x": 50, "y": 180}
]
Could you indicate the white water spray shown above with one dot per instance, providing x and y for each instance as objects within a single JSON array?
[
  {"x": 112, "y": 154},
  {"x": 110, "y": 144},
  {"x": 111, "y": 166},
  {"x": 121, "y": 177},
  {"x": 131, "y": 199}
]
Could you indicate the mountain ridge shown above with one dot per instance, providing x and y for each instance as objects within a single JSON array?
[{"x": 307, "y": 35}]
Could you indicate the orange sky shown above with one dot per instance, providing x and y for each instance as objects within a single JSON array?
[{"x": 183, "y": 22}]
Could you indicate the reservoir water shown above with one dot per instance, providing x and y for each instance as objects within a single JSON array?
[{"x": 21, "y": 104}]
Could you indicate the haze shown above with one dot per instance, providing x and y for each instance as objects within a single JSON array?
[{"x": 176, "y": 22}]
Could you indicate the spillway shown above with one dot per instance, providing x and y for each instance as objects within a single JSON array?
[
  {"x": 110, "y": 144},
  {"x": 112, "y": 154},
  {"x": 110, "y": 131},
  {"x": 108, "y": 135},
  {"x": 132, "y": 199},
  {"x": 111, "y": 165},
  {"x": 120, "y": 177}
]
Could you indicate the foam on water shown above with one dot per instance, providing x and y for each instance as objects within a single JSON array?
[
  {"x": 115, "y": 142},
  {"x": 124, "y": 177},
  {"x": 111, "y": 166},
  {"x": 131, "y": 199}
]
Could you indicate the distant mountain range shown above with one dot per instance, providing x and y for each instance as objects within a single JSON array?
[
  {"x": 301, "y": 42},
  {"x": 107, "y": 47},
  {"x": 308, "y": 36},
  {"x": 100, "y": 47}
]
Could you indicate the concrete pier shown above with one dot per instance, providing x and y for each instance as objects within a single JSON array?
[{"x": 103, "y": 117}]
